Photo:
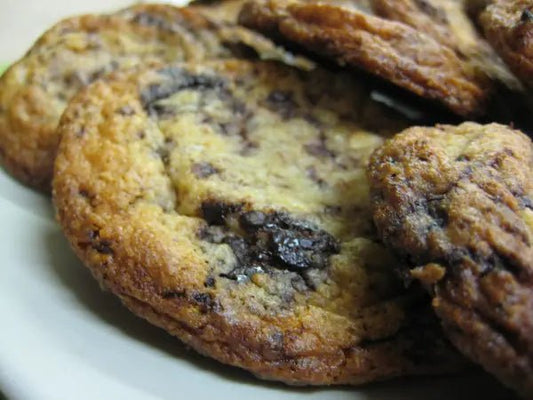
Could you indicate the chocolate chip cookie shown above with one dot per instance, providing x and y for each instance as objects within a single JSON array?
[
  {"x": 228, "y": 204},
  {"x": 35, "y": 91},
  {"x": 447, "y": 22},
  {"x": 508, "y": 25},
  {"x": 391, "y": 50},
  {"x": 456, "y": 203}
]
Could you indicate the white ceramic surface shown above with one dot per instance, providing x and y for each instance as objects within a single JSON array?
[{"x": 61, "y": 337}]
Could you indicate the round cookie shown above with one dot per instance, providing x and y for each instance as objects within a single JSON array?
[
  {"x": 508, "y": 25},
  {"x": 228, "y": 204},
  {"x": 391, "y": 50},
  {"x": 35, "y": 91},
  {"x": 448, "y": 23},
  {"x": 456, "y": 203}
]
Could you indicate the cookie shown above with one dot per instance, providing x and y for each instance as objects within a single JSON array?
[
  {"x": 391, "y": 50},
  {"x": 228, "y": 204},
  {"x": 35, "y": 91},
  {"x": 228, "y": 10},
  {"x": 448, "y": 23},
  {"x": 220, "y": 10},
  {"x": 456, "y": 203},
  {"x": 508, "y": 25}
]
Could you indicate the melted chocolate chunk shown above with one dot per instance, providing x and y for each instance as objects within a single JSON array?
[
  {"x": 270, "y": 240},
  {"x": 176, "y": 80},
  {"x": 215, "y": 212}
]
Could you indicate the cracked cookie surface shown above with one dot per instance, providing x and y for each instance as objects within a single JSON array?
[
  {"x": 228, "y": 204},
  {"x": 391, "y": 50},
  {"x": 456, "y": 203},
  {"x": 35, "y": 91},
  {"x": 448, "y": 23},
  {"x": 508, "y": 25}
]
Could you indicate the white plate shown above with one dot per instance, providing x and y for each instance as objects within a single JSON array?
[{"x": 61, "y": 337}]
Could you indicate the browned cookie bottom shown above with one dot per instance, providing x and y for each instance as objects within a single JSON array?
[{"x": 393, "y": 51}]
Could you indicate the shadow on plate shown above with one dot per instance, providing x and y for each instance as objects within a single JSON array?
[{"x": 108, "y": 308}]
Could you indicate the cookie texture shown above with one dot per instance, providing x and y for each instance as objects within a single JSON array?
[
  {"x": 225, "y": 11},
  {"x": 35, "y": 91},
  {"x": 448, "y": 23},
  {"x": 456, "y": 203},
  {"x": 391, "y": 50},
  {"x": 228, "y": 204},
  {"x": 508, "y": 25}
]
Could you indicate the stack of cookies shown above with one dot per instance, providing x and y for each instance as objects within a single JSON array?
[{"x": 272, "y": 182}]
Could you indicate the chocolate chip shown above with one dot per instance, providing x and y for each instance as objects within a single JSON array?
[
  {"x": 209, "y": 282},
  {"x": 271, "y": 240},
  {"x": 202, "y": 298},
  {"x": 240, "y": 248},
  {"x": 103, "y": 247},
  {"x": 215, "y": 212},
  {"x": 203, "y": 170},
  {"x": 175, "y": 80},
  {"x": 527, "y": 16},
  {"x": 171, "y": 294},
  {"x": 299, "y": 252},
  {"x": 205, "y": 301}
]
